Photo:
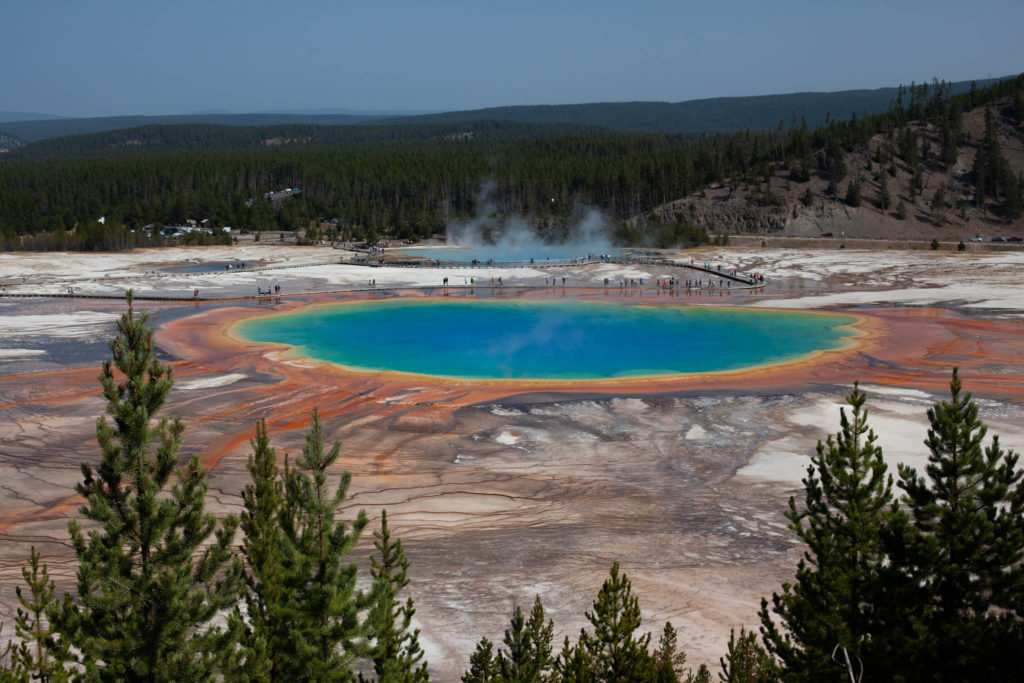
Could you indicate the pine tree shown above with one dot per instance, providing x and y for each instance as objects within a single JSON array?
[
  {"x": 1013, "y": 201},
  {"x": 746, "y": 661},
  {"x": 574, "y": 664},
  {"x": 884, "y": 197},
  {"x": 808, "y": 197},
  {"x": 323, "y": 603},
  {"x": 703, "y": 675},
  {"x": 266, "y": 643},
  {"x": 39, "y": 656},
  {"x": 541, "y": 637},
  {"x": 513, "y": 659},
  {"x": 989, "y": 163},
  {"x": 483, "y": 667},
  {"x": 853, "y": 193},
  {"x": 668, "y": 659},
  {"x": 615, "y": 653},
  {"x": 396, "y": 649},
  {"x": 909, "y": 147},
  {"x": 847, "y": 502},
  {"x": 901, "y": 210},
  {"x": 960, "y": 553},
  {"x": 150, "y": 581},
  {"x": 527, "y": 656},
  {"x": 948, "y": 144}
]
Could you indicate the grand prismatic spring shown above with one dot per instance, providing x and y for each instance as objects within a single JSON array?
[
  {"x": 505, "y": 487},
  {"x": 550, "y": 340}
]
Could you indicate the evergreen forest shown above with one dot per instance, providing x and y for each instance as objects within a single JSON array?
[
  {"x": 409, "y": 181},
  {"x": 906, "y": 576},
  {"x": 723, "y": 114}
]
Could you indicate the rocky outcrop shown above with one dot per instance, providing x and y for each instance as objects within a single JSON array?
[
  {"x": 716, "y": 215},
  {"x": 823, "y": 218}
]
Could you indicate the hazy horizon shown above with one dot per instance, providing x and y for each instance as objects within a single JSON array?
[{"x": 121, "y": 58}]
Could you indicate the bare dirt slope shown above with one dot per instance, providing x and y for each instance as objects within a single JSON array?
[{"x": 732, "y": 208}]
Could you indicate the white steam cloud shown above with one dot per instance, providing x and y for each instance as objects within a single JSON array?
[{"x": 590, "y": 233}]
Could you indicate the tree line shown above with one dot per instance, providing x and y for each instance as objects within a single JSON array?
[
  {"x": 410, "y": 186},
  {"x": 203, "y": 137},
  {"x": 725, "y": 114},
  {"x": 924, "y": 586}
]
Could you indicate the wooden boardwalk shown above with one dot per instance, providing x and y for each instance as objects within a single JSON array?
[{"x": 746, "y": 281}]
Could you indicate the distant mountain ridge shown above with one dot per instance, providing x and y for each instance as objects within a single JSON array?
[
  {"x": 8, "y": 116},
  {"x": 349, "y": 112},
  {"x": 716, "y": 115},
  {"x": 32, "y": 131}
]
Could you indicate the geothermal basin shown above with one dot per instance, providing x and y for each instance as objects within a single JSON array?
[
  {"x": 547, "y": 340},
  {"x": 502, "y": 489}
]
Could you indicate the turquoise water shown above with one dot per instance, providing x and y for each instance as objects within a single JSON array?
[
  {"x": 547, "y": 340},
  {"x": 506, "y": 252}
]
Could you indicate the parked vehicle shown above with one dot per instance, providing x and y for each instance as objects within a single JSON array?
[
  {"x": 975, "y": 239},
  {"x": 1015, "y": 239},
  {"x": 998, "y": 239}
]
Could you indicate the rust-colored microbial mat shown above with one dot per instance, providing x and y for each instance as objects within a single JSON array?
[{"x": 503, "y": 490}]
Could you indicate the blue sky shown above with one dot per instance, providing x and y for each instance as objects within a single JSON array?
[{"x": 105, "y": 57}]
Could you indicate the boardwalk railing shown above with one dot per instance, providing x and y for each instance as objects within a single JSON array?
[{"x": 748, "y": 280}]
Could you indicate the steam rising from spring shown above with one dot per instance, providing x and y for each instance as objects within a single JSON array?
[{"x": 511, "y": 235}]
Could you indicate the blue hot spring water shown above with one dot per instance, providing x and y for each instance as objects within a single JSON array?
[
  {"x": 570, "y": 340},
  {"x": 506, "y": 252}
]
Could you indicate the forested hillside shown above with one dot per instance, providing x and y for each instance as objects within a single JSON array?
[
  {"x": 946, "y": 168},
  {"x": 31, "y": 131},
  {"x": 968, "y": 145},
  {"x": 206, "y": 137},
  {"x": 716, "y": 115}
]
